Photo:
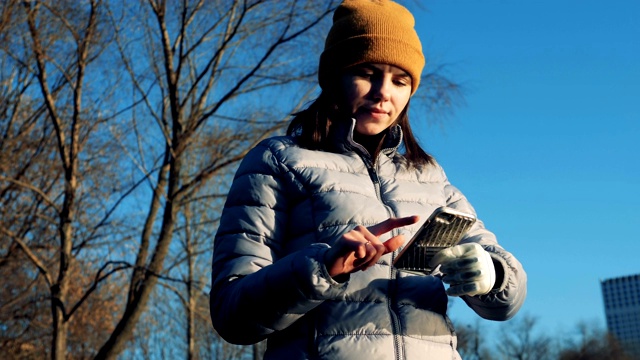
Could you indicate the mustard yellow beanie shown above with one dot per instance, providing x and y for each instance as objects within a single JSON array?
[{"x": 371, "y": 31}]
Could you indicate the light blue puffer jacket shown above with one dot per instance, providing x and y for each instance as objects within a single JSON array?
[{"x": 287, "y": 205}]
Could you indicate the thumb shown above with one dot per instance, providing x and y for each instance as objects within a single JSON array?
[
  {"x": 442, "y": 257},
  {"x": 454, "y": 252},
  {"x": 393, "y": 244}
]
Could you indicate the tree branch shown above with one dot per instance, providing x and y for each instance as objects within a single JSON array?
[
  {"x": 31, "y": 255},
  {"x": 39, "y": 192},
  {"x": 123, "y": 265}
]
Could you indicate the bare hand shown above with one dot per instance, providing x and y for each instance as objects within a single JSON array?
[{"x": 360, "y": 248}]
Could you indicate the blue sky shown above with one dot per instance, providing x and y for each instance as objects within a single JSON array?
[{"x": 546, "y": 146}]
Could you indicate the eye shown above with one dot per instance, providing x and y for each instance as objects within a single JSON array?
[
  {"x": 363, "y": 73},
  {"x": 402, "y": 81}
]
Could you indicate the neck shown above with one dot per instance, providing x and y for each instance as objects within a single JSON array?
[{"x": 370, "y": 142}]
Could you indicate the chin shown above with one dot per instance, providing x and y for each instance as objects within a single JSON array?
[
  {"x": 371, "y": 127},
  {"x": 370, "y": 130}
]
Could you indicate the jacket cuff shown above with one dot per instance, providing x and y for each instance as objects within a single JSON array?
[
  {"x": 502, "y": 273},
  {"x": 322, "y": 284}
]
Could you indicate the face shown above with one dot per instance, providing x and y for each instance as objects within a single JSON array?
[{"x": 376, "y": 94}]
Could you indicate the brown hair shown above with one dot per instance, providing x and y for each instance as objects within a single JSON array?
[{"x": 311, "y": 129}]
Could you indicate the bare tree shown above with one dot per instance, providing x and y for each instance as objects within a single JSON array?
[
  {"x": 195, "y": 64},
  {"x": 121, "y": 124},
  {"x": 592, "y": 342},
  {"x": 48, "y": 120},
  {"x": 193, "y": 68},
  {"x": 519, "y": 340},
  {"x": 472, "y": 344}
]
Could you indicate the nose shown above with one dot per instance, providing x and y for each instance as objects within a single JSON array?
[{"x": 381, "y": 89}]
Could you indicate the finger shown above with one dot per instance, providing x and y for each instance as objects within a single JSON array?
[
  {"x": 356, "y": 241},
  {"x": 370, "y": 259},
  {"x": 442, "y": 257},
  {"x": 462, "y": 277},
  {"x": 380, "y": 250},
  {"x": 373, "y": 246},
  {"x": 458, "y": 265},
  {"x": 386, "y": 247},
  {"x": 378, "y": 247},
  {"x": 466, "y": 249},
  {"x": 463, "y": 289},
  {"x": 392, "y": 223},
  {"x": 455, "y": 252},
  {"x": 393, "y": 244}
]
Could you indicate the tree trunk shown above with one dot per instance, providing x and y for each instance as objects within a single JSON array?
[{"x": 125, "y": 328}]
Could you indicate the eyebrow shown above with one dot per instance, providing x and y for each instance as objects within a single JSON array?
[{"x": 372, "y": 67}]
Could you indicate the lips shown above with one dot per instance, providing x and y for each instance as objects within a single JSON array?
[{"x": 376, "y": 111}]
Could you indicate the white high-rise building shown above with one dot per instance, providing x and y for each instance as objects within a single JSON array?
[{"x": 622, "y": 310}]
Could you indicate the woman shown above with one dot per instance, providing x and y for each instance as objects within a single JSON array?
[{"x": 314, "y": 219}]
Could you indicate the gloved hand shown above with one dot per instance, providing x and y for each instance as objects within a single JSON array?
[{"x": 467, "y": 268}]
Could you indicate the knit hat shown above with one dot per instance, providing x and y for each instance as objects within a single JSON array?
[{"x": 371, "y": 31}]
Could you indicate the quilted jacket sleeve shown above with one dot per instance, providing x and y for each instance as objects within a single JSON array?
[
  {"x": 507, "y": 297},
  {"x": 257, "y": 291}
]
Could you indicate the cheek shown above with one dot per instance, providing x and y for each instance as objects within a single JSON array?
[
  {"x": 350, "y": 97},
  {"x": 402, "y": 100}
]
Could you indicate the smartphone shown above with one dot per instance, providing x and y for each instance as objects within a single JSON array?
[{"x": 444, "y": 228}]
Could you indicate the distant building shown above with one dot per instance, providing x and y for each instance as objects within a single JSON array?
[{"x": 622, "y": 310}]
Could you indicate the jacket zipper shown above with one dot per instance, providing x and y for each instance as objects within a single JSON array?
[
  {"x": 373, "y": 175},
  {"x": 399, "y": 350}
]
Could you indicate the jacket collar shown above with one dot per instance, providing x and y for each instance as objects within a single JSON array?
[{"x": 341, "y": 136}]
